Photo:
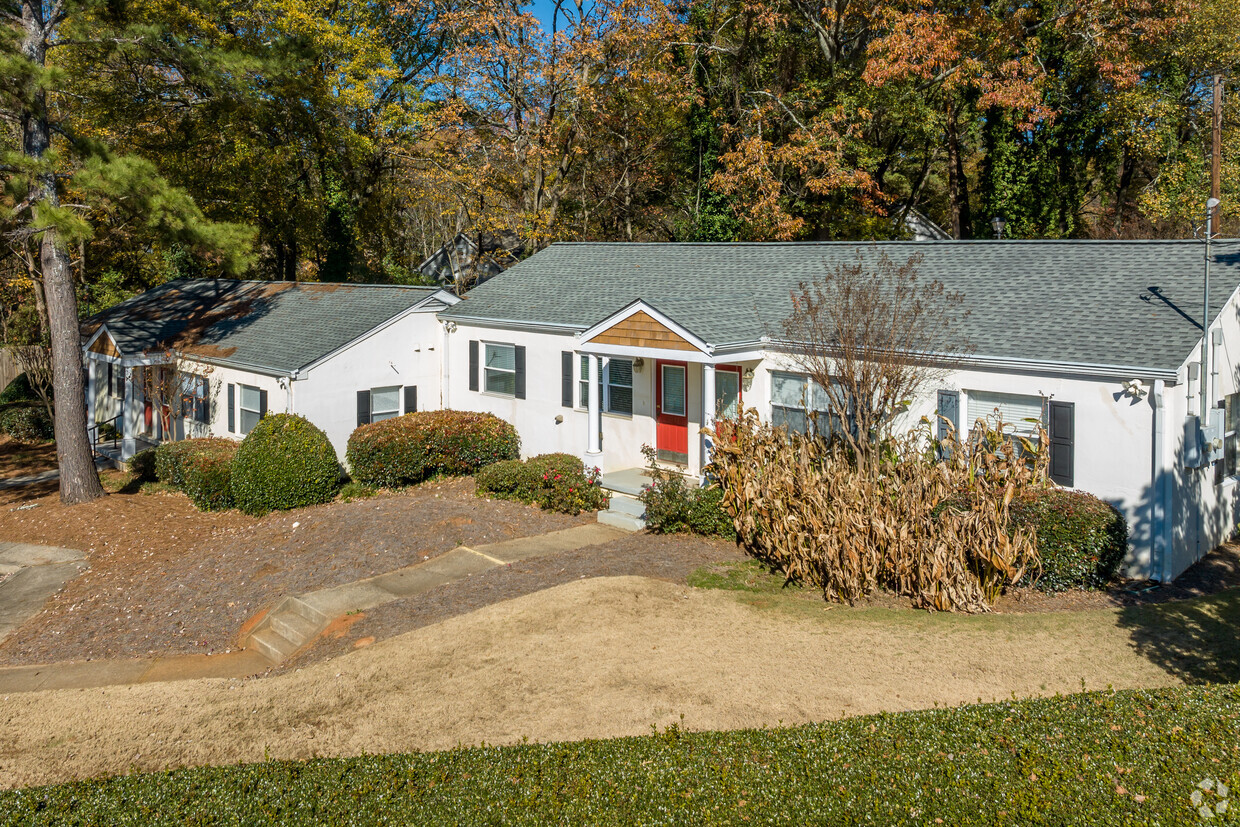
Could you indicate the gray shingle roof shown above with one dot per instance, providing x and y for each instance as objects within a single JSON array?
[
  {"x": 1115, "y": 303},
  {"x": 277, "y": 326}
]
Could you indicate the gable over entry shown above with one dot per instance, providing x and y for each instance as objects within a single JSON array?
[{"x": 641, "y": 330}]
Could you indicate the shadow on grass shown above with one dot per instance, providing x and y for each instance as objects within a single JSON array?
[{"x": 1197, "y": 640}]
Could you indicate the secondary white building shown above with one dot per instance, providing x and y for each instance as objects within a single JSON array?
[
  {"x": 599, "y": 349},
  {"x": 209, "y": 357}
]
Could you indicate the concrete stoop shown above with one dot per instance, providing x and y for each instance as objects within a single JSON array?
[{"x": 625, "y": 512}]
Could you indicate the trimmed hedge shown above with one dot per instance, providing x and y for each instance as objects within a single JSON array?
[
  {"x": 27, "y": 423},
  {"x": 284, "y": 462},
  {"x": 408, "y": 449},
  {"x": 1122, "y": 758},
  {"x": 1081, "y": 539},
  {"x": 556, "y": 482},
  {"x": 509, "y": 479},
  {"x": 208, "y": 476}
]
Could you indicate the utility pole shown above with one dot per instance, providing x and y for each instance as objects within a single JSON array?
[{"x": 1216, "y": 144}]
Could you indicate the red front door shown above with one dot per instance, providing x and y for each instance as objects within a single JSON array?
[{"x": 671, "y": 405}]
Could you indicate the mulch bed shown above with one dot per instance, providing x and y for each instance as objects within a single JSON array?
[
  {"x": 166, "y": 578},
  {"x": 23, "y": 459},
  {"x": 671, "y": 557}
]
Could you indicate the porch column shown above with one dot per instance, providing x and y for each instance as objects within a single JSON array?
[
  {"x": 129, "y": 412},
  {"x": 594, "y": 441},
  {"x": 91, "y": 370},
  {"x": 708, "y": 414}
]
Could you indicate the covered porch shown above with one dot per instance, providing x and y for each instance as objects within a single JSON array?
[
  {"x": 645, "y": 380},
  {"x": 125, "y": 412}
]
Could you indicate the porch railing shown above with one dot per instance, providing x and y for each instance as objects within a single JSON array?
[{"x": 97, "y": 438}]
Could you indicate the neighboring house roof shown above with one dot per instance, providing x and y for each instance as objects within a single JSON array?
[
  {"x": 274, "y": 326},
  {"x": 499, "y": 250},
  {"x": 1123, "y": 304},
  {"x": 921, "y": 228}
]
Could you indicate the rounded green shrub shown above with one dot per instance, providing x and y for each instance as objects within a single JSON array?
[
  {"x": 208, "y": 475},
  {"x": 1081, "y": 539},
  {"x": 509, "y": 479},
  {"x": 284, "y": 462},
  {"x": 19, "y": 390},
  {"x": 572, "y": 492},
  {"x": 27, "y": 423},
  {"x": 142, "y": 465},
  {"x": 410, "y": 448}
]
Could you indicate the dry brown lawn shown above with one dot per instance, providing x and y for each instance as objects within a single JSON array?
[{"x": 595, "y": 658}]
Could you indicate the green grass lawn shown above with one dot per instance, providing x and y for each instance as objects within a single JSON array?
[{"x": 1097, "y": 758}]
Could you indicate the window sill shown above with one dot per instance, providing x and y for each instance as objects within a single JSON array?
[{"x": 498, "y": 395}]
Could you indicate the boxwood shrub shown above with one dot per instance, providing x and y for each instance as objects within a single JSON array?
[
  {"x": 142, "y": 465},
  {"x": 410, "y": 448},
  {"x": 675, "y": 506},
  {"x": 19, "y": 390},
  {"x": 1081, "y": 539},
  {"x": 26, "y": 422},
  {"x": 556, "y": 482},
  {"x": 284, "y": 462}
]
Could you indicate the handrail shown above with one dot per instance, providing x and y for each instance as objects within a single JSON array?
[{"x": 93, "y": 431}]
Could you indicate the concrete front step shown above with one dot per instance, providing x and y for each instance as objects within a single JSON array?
[
  {"x": 271, "y": 645},
  {"x": 618, "y": 519},
  {"x": 626, "y": 504}
]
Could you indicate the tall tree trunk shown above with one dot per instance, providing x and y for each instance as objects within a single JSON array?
[
  {"x": 957, "y": 184},
  {"x": 79, "y": 481}
]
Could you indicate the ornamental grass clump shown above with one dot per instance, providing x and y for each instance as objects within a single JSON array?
[
  {"x": 805, "y": 506},
  {"x": 284, "y": 462},
  {"x": 408, "y": 449}
]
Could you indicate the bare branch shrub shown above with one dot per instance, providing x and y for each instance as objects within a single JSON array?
[
  {"x": 36, "y": 362},
  {"x": 873, "y": 336},
  {"x": 934, "y": 529},
  {"x": 170, "y": 388}
]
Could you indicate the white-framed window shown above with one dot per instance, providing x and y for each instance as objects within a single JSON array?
[
  {"x": 384, "y": 403},
  {"x": 251, "y": 407},
  {"x": 615, "y": 385},
  {"x": 1021, "y": 413},
  {"x": 1231, "y": 435},
  {"x": 798, "y": 402},
  {"x": 116, "y": 380},
  {"x": 499, "y": 369},
  {"x": 196, "y": 401}
]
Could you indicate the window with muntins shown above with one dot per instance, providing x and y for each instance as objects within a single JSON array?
[
  {"x": 500, "y": 369},
  {"x": 196, "y": 399},
  {"x": 615, "y": 385},
  {"x": 797, "y": 402},
  {"x": 1231, "y": 435},
  {"x": 251, "y": 410},
  {"x": 384, "y": 403}
]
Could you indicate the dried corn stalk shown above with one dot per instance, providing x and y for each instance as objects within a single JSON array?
[{"x": 929, "y": 520}]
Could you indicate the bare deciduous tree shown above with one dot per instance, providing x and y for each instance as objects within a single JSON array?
[
  {"x": 873, "y": 336},
  {"x": 172, "y": 389}
]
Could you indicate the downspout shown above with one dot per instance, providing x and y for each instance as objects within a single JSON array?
[{"x": 1160, "y": 499}]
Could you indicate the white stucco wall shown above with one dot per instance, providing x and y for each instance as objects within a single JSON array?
[{"x": 405, "y": 353}]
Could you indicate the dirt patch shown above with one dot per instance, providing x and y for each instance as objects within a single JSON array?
[
  {"x": 595, "y": 658},
  {"x": 168, "y": 579},
  {"x": 23, "y": 459},
  {"x": 672, "y": 558}
]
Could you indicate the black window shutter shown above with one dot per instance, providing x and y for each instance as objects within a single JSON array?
[
  {"x": 473, "y": 366},
  {"x": 262, "y": 404},
  {"x": 411, "y": 399},
  {"x": 111, "y": 381},
  {"x": 949, "y": 412},
  {"x": 1063, "y": 437},
  {"x": 232, "y": 408},
  {"x": 519, "y": 361},
  {"x": 363, "y": 408},
  {"x": 566, "y": 379}
]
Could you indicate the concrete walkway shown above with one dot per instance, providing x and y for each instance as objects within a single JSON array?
[
  {"x": 31, "y": 575},
  {"x": 287, "y": 622}
]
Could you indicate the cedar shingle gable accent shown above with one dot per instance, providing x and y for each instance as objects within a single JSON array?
[{"x": 642, "y": 330}]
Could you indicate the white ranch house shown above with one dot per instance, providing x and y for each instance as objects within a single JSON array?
[{"x": 599, "y": 349}]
